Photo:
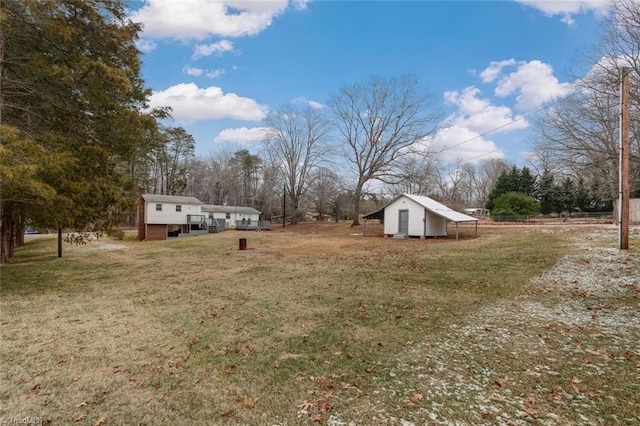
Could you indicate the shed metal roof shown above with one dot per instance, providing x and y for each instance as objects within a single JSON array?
[
  {"x": 229, "y": 209},
  {"x": 440, "y": 209},
  {"x": 175, "y": 199}
]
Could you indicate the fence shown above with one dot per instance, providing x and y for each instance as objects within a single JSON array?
[{"x": 582, "y": 217}]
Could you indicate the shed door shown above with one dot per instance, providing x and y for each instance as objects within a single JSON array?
[{"x": 403, "y": 222}]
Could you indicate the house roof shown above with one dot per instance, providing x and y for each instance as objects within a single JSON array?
[
  {"x": 429, "y": 204},
  {"x": 378, "y": 214},
  {"x": 175, "y": 199},
  {"x": 229, "y": 209},
  {"x": 440, "y": 209}
]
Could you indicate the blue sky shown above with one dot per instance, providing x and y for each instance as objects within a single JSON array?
[{"x": 222, "y": 65}]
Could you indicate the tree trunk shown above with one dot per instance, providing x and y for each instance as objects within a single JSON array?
[
  {"x": 356, "y": 205},
  {"x": 59, "y": 241},
  {"x": 294, "y": 211},
  {"x": 6, "y": 232},
  {"x": 19, "y": 231}
]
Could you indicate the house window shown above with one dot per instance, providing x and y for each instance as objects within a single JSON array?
[
  {"x": 158, "y": 207},
  {"x": 178, "y": 208},
  {"x": 228, "y": 215}
]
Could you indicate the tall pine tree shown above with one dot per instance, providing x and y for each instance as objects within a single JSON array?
[{"x": 71, "y": 91}]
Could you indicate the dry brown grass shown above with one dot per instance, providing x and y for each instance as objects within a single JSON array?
[{"x": 311, "y": 323}]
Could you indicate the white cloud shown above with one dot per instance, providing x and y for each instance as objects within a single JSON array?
[
  {"x": 193, "y": 71},
  {"x": 534, "y": 83},
  {"x": 215, "y": 73},
  {"x": 211, "y": 49},
  {"x": 300, "y": 4},
  {"x": 145, "y": 45},
  {"x": 448, "y": 144},
  {"x": 494, "y": 69},
  {"x": 478, "y": 115},
  {"x": 199, "y": 19},
  {"x": 568, "y": 8},
  {"x": 242, "y": 135},
  {"x": 301, "y": 100},
  {"x": 463, "y": 135},
  {"x": 191, "y": 103}
]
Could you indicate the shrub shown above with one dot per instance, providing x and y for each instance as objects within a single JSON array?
[{"x": 515, "y": 204}]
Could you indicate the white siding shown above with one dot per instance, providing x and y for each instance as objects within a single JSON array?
[
  {"x": 239, "y": 216},
  {"x": 391, "y": 216},
  {"x": 169, "y": 215},
  {"x": 435, "y": 225},
  {"x": 231, "y": 222}
]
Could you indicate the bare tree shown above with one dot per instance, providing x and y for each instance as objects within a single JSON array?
[
  {"x": 480, "y": 178},
  {"x": 581, "y": 133},
  {"x": 417, "y": 175},
  {"x": 380, "y": 119},
  {"x": 324, "y": 190},
  {"x": 296, "y": 141},
  {"x": 451, "y": 183}
]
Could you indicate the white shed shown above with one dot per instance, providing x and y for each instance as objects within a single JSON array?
[{"x": 419, "y": 216}]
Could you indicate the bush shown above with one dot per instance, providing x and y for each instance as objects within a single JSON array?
[{"x": 515, "y": 204}]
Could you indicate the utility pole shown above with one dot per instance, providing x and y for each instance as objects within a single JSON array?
[
  {"x": 623, "y": 199},
  {"x": 284, "y": 204}
]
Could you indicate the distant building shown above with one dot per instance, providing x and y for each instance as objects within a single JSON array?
[{"x": 164, "y": 216}]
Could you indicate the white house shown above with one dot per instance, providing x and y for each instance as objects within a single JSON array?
[
  {"x": 419, "y": 216},
  {"x": 163, "y": 216},
  {"x": 234, "y": 216}
]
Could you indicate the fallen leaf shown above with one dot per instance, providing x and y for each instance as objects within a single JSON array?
[
  {"x": 226, "y": 412},
  {"x": 251, "y": 402},
  {"x": 100, "y": 421},
  {"x": 316, "y": 417},
  {"x": 416, "y": 398},
  {"x": 79, "y": 417},
  {"x": 33, "y": 391},
  {"x": 305, "y": 405},
  {"x": 495, "y": 398},
  {"x": 529, "y": 410},
  {"x": 82, "y": 404},
  {"x": 500, "y": 382},
  {"x": 575, "y": 380}
]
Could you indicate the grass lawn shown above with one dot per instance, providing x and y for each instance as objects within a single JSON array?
[{"x": 315, "y": 324}]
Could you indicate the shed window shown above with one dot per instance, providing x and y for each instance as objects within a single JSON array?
[
  {"x": 178, "y": 208},
  {"x": 228, "y": 215},
  {"x": 158, "y": 207}
]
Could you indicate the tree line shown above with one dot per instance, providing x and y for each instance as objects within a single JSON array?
[
  {"x": 78, "y": 138},
  {"x": 518, "y": 192}
]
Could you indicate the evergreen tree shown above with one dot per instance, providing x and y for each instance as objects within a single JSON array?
[
  {"x": 567, "y": 196},
  {"x": 526, "y": 182},
  {"x": 70, "y": 90},
  {"x": 515, "y": 180},
  {"x": 547, "y": 193}
]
